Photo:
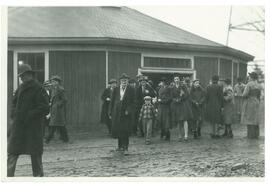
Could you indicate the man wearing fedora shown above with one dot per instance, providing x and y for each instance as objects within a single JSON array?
[
  {"x": 106, "y": 99},
  {"x": 30, "y": 105},
  {"x": 121, "y": 113},
  {"x": 57, "y": 110}
]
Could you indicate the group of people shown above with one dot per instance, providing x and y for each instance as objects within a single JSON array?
[
  {"x": 135, "y": 107},
  {"x": 130, "y": 107}
]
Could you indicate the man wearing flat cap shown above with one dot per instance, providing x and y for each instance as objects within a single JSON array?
[
  {"x": 106, "y": 99},
  {"x": 122, "y": 102},
  {"x": 30, "y": 105}
]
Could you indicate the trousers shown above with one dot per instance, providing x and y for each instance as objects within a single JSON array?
[
  {"x": 36, "y": 161},
  {"x": 62, "y": 131},
  {"x": 147, "y": 128},
  {"x": 123, "y": 143}
]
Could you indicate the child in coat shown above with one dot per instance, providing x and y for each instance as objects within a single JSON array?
[{"x": 147, "y": 115}]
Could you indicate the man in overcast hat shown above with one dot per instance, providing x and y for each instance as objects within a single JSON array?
[
  {"x": 122, "y": 102},
  {"x": 30, "y": 105}
]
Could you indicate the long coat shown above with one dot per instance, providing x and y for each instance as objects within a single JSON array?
[
  {"x": 58, "y": 107},
  {"x": 251, "y": 104},
  {"x": 104, "y": 117},
  {"x": 197, "y": 97},
  {"x": 238, "y": 97},
  {"x": 181, "y": 109},
  {"x": 30, "y": 105},
  {"x": 121, "y": 123},
  {"x": 214, "y": 99},
  {"x": 228, "y": 106},
  {"x": 164, "y": 110}
]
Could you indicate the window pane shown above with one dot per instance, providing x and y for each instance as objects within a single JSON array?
[
  {"x": 36, "y": 61},
  {"x": 167, "y": 62}
]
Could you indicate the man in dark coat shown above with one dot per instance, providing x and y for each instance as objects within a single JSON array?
[
  {"x": 29, "y": 107},
  {"x": 106, "y": 98},
  {"x": 214, "y": 100},
  {"x": 121, "y": 113},
  {"x": 143, "y": 90}
]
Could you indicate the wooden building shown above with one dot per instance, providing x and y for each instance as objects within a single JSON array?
[{"x": 87, "y": 46}]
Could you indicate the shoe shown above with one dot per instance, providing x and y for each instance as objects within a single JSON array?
[
  {"x": 125, "y": 152},
  {"x": 119, "y": 149},
  {"x": 195, "y": 135},
  {"x": 186, "y": 139},
  {"x": 199, "y": 132}
]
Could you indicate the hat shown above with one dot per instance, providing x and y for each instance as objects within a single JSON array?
[
  {"x": 215, "y": 78},
  {"x": 56, "y": 78},
  {"x": 143, "y": 78},
  {"x": 23, "y": 68},
  {"x": 147, "y": 98},
  {"x": 112, "y": 81},
  {"x": 228, "y": 81},
  {"x": 164, "y": 79},
  {"x": 195, "y": 80},
  {"x": 253, "y": 75},
  {"x": 132, "y": 81},
  {"x": 176, "y": 75},
  {"x": 124, "y": 76}
]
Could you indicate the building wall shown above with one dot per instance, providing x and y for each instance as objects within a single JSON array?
[
  {"x": 10, "y": 81},
  {"x": 84, "y": 79},
  {"x": 123, "y": 62},
  {"x": 225, "y": 69},
  {"x": 205, "y": 68}
]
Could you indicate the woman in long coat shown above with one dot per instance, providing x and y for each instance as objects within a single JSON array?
[
  {"x": 238, "y": 97},
  {"x": 197, "y": 97},
  {"x": 57, "y": 111},
  {"x": 251, "y": 104},
  {"x": 121, "y": 108},
  {"x": 181, "y": 110},
  {"x": 164, "y": 111},
  {"x": 214, "y": 99},
  {"x": 228, "y": 108}
]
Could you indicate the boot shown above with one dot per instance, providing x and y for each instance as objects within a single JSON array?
[
  {"x": 199, "y": 132},
  {"x": 168, "y": 136},
  {"x": 230, "y": 134},
  {"x": 195, "y": 134},
  {"x": 225, "y": 132}
]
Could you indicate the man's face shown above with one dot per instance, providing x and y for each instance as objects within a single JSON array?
[
  {"x": 124, "y": 82},
  {"x": 143, "y": 83},
  {"x": 26, "y": 77},
  {"x": 113, "y": 85},
  {"x": 147, "y": 101},
  {"x": 176, "y": 79}
]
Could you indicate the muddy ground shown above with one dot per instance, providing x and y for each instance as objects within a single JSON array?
[{"x": 91, "y": 154}]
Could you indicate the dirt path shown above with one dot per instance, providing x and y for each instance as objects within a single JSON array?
[{"x": 94, "y": 156}]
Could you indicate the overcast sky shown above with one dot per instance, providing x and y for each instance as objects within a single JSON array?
[{"x": 211, "y": 22}]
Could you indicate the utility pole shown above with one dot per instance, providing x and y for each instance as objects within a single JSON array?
[{"x": 229, "y": 26}]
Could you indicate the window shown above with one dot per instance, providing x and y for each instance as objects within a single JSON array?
[
  {"x": 160, "y": 62},
  {"x": 36, "y": 61}
]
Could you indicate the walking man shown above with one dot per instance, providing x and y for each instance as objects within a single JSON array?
[
  {"x": 30, "y": 105},
  {"x": 122, "y": 103}
]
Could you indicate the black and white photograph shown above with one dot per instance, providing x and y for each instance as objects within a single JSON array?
[{"x": 130, "y": 91}]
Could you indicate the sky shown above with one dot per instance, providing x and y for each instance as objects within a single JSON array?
[{"x": 212, "y": 22}]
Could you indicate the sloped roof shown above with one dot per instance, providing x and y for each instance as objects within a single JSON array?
[{"x": 96, "y": 22}]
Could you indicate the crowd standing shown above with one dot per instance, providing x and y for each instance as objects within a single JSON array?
[
  {"x": 138, "y": 108},
  {"x": 132, "y": 107}
]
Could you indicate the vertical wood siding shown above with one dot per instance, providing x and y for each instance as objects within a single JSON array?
[
  {"x": 235, "y": 69},
  {"x": 225, "y": 68},
  {"x": 205, "y": 68},
  {"x": 9, "y": 81},
  {"x": 84, "y": 79},
  {"x": 243, "y": 70},
  {"x": 123, "y": 62}
]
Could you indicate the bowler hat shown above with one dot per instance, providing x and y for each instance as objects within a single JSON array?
[
  {"x": 215, "y": 78},
  {"x": 253, "y": 75},
  {"x": 228, "y": 81},
  {"x": 112, "y": 81},
  {"x": 124, "y": 76},
  {"x": 23, "y": 68},
  {"x": 56, "y": 78},
  {"x": 147, "y": 98}
]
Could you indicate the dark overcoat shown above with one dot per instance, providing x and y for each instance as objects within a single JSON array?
[
  {"x": 104, "y": 117},
  {"x": 164, "y": 108},
  {"x": 181, "y": 109},
  {"x": 58, "y": 107},
  {"x": 121, "y": 123},
  {"x": 214, "y": 99},
  {"x": 197, "y": 97},
  {"x": 30, "y": 105}
]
